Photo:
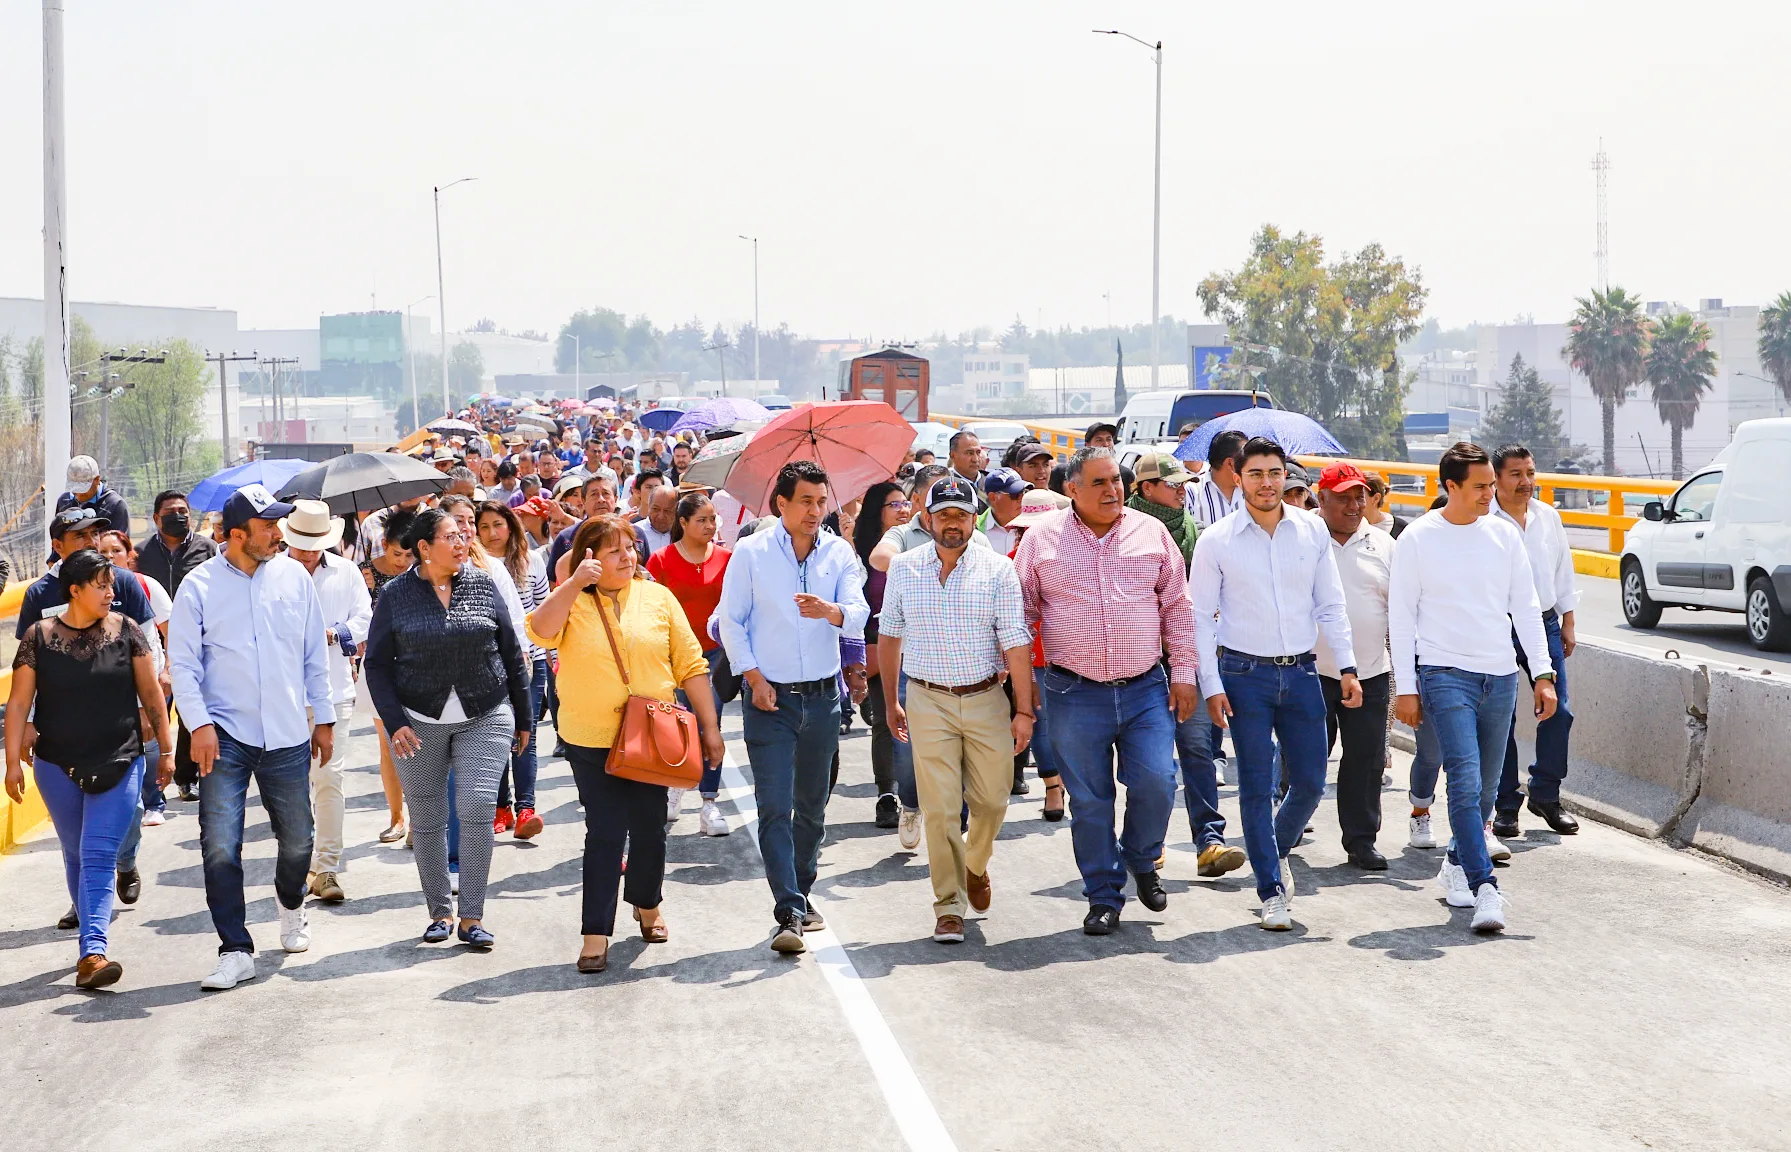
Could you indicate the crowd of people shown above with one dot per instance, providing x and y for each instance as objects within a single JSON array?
[{"x": 1102, "y": 624}]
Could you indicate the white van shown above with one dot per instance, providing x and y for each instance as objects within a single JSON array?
[
  {"x": 1722, "y": 542},
  {"x": 1153, "y": 416}
]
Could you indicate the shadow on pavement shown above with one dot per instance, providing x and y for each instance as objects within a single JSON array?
[
  {"x": 1427, "y": 941},
  {"x": 1134, "y": 938},
  {"x": 730, "y": 969}
]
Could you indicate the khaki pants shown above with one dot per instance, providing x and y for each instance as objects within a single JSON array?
[
  {"x": 326, "y": 797},
  {"x": 963, "y": 754}
]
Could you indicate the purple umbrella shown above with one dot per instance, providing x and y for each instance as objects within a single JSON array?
[{"x": 721, "y": 410}]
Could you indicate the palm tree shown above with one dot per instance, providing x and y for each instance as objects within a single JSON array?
[
  {"x": 1775, "y": 342},
  {"x": 1607, "y": 340},
  {"x": 1678, "y": 368}
]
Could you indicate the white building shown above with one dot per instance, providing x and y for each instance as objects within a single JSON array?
[
  {"x": 996, "y": 375},
  {"x": 1448, "y": 381},
  {"x": 130, "y": 326}
]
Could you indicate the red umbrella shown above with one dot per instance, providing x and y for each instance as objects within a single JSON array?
[{"x": 857, "y": 443}]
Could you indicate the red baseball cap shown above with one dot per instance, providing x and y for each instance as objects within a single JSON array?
[{"x": 1341, "y": 478}]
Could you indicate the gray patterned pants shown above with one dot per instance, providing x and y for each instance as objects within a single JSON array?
[{"x": 476, "y": 751}]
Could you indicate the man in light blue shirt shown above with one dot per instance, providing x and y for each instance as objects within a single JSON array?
[
  {"x": 250, "y": 669},
  {"x": 791, "y": 591}
]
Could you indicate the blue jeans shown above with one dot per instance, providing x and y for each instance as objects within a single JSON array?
[
  {"x": 1200, "y": 779},
  {"x": 1427, "y": 761},
  {"x": 283, "y": 776},
  {"x": 1471, "y": 712},
  {"x": 1550, "y": 767},
  {"x": 90, "y": 829},
  {"x": 524, "y": 764},
  {"x": 1088, "y": 723},
  {"x": 791, "y": 752},
  {"x": 1044, "y": 757},
  {"x": 1271, "y": 702},
  {"x": 709, "y": 787}
]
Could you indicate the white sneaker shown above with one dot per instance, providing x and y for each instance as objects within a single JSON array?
[
  {"x": 1421, "y": 835},
  {"x": 1453, "y": 880},
  {"x": 295, "y": 928},
  {"x": 1489, "y": 909},
  {"x": 233, "y": 968},
  {"x": 1287, "y": 881},
  {"x": 1495, "y": 847},
  {"x": 713, "y": 822},
  {"x": 1221, "y": 766},
  {"x": 674, "y": 803},
  {"x": 1275, "y": 916},
  {"x": 154, "y": 817},
  {"x": 908, "y": 831}
]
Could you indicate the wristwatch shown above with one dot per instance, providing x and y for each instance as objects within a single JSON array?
[{"x": 1350, "y": 671}]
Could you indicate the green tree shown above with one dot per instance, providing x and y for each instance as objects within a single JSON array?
[
  {"x": 466, "y": 371},
  {"x": 1775, "y": 342},
  {"x": 1333, "y": 331},
  {"x": 1678, "y": 369},
  {"x": 1525, "y": 414},
  {"x": 1607, "y": 341},
  {"x": 156, "y": 422}
]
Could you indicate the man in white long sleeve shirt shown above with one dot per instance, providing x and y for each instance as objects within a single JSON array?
[
  {"x": 347, "y": 610},
  {"x": 251, "y": 680},
  {"x": 1459, "y": 575},
  {"x": 1268, "y": 574},
  {"x": 1551, "y": 565}
]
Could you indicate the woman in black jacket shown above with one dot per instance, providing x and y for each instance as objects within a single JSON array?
[{"x": 446, "y": 672}]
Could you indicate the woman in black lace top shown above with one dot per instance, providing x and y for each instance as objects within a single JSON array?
[{"x": 88, "y": 671}]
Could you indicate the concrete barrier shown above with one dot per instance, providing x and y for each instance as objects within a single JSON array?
[{"x": 1743, "y": 810}]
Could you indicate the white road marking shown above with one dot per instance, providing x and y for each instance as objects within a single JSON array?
[{"x": 914, "y": 1113}]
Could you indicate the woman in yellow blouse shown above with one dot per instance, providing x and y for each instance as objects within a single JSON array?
[{"x": 663, "y": 655}]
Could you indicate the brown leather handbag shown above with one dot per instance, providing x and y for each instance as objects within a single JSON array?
[{"x": 657, "y": 742}]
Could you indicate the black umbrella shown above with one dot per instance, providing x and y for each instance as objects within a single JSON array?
[{"x": 364, "y": 482}]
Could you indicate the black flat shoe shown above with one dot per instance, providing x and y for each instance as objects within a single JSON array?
[
  {"x": 1054, "y": 814},
  {"x": 1021, "y": 787},
  {"x": 1368, "y": 859},
  {"x": 130, "y": 886},
  {"x": 70, "y": 919},
  {"x": 1150, "y": 891},
  {"x": 1504, "y": 825},
  {"x": 889, "y": 811},
  {"x": 1557, "y": 817},
  {"x": 1101, "y": 920}
]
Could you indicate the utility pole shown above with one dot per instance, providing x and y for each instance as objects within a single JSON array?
[
  {"x": 58, "y": 431},
  {"x": 441, "y": 298},
  {"x": 720, "y": 348},
  {"x": 1601, "y": 164},
  {"x": 1156, "y": 213},
  {"x": 276, "y": 366},
  {"x": 410, "y": 353},
  {"x": 755, "y": 311},
  {"x": 224, "y": 394},
  {"x": 112, "y": 385}
]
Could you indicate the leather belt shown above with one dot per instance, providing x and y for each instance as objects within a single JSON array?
[
  {"x": 961, "y": 690},
  {"x": 1120, "y": 683},
  {"x": 821, "y": 687},
  {"x": 1279, "y": 661}
]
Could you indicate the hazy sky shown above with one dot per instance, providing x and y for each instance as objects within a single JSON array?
[{"x": 907, "y": 167}]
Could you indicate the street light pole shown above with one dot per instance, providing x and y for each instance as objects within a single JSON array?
[
  {"x": 578, "y": 356},
  {"x": 58, "y": 432},
  {"x": 440, "y": 292},
  {"x": 1156, "y": 212},
  {"x": 755, "y": 308},
  {"x": 410, "y": 349}
]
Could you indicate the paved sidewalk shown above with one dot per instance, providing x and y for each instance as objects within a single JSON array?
[{"x": 1641, "y": 999}]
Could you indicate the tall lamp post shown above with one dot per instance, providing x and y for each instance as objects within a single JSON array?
[
  {"x": 441, "y": 293},
  {"x": 578, "y": 354},
  {"x": 755, "y": 308},
  {"x": 58, "y": 431},
  {"x": 410, "y": 347},
  {"x": 1156, "y": 212}
]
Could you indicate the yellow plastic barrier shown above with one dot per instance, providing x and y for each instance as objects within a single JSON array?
[{"x": 16, "y": 820}]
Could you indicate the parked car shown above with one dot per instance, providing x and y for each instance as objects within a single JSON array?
[
  {"x": 996, "y": 435},
  {"x": 1722, "y": 542},
  {"x": 1159, "y": 415},
  {"x": 934, "y": 437},
  {"x": 772, "y": 402}
]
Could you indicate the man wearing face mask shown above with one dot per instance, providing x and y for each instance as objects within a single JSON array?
[
  {"x": 87, "y": 487},
  {"x": 175, "y": 549}
]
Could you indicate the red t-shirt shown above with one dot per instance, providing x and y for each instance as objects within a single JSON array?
[{"x": 698, "y": 588}]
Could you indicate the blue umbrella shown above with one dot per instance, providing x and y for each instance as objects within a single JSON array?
[
  {"x": 660, "y": 419},
  {"x": 1298, "y": 434},
  {"x": 210, "y": 494},
  {"x": 721, "y": 410}
]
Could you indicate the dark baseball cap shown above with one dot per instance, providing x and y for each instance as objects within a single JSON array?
[
  {"x": 1032, "y": 451},
  {"x": 1099, "y": 427},
  {"x": 253, "y": 502},
  {"x": 77, "y": 516},
  {"x": 951, "y": 492},
  {"x": 1004, "y": 480}
]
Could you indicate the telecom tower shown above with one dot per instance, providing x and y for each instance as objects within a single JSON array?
[{"x": 1601, "y": 164}]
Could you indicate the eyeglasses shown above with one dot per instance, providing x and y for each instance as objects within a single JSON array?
[{"x": 898, "y": 505}]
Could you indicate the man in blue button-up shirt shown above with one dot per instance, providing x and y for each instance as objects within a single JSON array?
[
  {"x": 791, "y": 591},
  {"x": 251, "y": 671}
]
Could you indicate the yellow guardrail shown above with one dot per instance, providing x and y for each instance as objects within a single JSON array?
[
  {"x": 1606, "y": 501},
  {"x": 16, "y": 820}
]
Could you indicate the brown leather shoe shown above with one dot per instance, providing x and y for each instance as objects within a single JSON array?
[
  {"x": 592, "y": 964},
  {"x": 96, "y": 971},
  {"x": 949, "y": 930},
  {"x": 977, "y": 888},
  {"x": 652, "y": 933}
]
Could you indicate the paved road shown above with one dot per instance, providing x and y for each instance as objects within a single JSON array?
[
  {"x": 1715, "y": 636},
  {"x": 1642, "y": 998}
]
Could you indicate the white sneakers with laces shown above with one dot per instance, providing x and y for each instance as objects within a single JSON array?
[
  {"x": 1287, "y": 881},
  {"x": 908, "y": 831},
  {"x": 674, "y": 803},
  {"x": 1489, "y": 908},
  {"x": 713, "y": 822},
  {"x": 1420, "y": 834},
  {"x": 1453, "y": 880},
  {"x": 295, "y": 928},
  {"x": 1496, "y": 848},
  {"x": 1275, "y": 916},
  {"x": 233, "y": 968}
]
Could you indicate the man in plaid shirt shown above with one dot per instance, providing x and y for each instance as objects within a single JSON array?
[
  {"x": 1107, "y": 587},
  {"x": 952, "y": 620}
]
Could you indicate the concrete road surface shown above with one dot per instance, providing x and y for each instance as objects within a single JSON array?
[
  {"x": 1715, "y": 636},
  {"x": 1640, "y": 999}
]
